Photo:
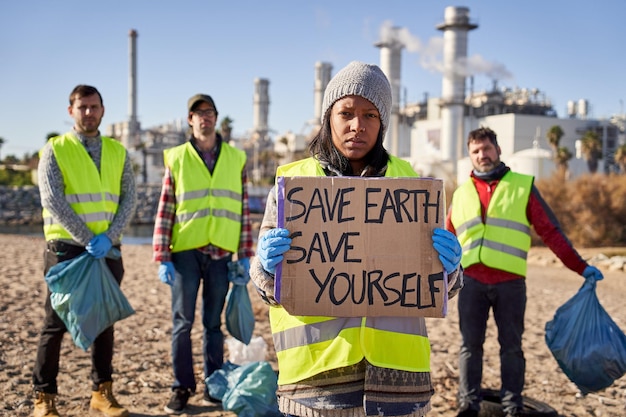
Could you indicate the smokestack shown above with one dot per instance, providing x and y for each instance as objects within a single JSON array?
[
  {"x": 261, "y": 107},
  {"x": 322, "y": 78},
  {"x": 455, "y": 28},
  {"x": 133, "y": 124},
  {"x": 390, "y": 64}
]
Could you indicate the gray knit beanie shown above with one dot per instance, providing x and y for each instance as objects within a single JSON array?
[{"x": 359, "y": 79}]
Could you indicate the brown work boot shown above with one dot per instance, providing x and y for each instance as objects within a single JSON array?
[
  {"x": 44, "y": 405},
  {"x": 104, "y": 401}
]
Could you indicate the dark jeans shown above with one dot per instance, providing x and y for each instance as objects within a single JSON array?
[
  {"x": 508, "y": 301},
  {"x": 49, "y": 349},
  {"x": 192, "y": 266}
]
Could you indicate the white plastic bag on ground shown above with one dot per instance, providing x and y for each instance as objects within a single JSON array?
[{"x": 240, "y": 353}]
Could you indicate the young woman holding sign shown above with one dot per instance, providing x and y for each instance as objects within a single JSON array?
[{"x": 347, "y": 366}]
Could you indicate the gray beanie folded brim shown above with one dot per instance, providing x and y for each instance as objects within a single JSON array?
[{"x": 360, "y": 79}]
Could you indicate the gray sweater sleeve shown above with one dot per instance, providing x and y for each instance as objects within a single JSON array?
[
  {"x": 263, "y": 280},
  {"x": 52, "y": 193},
  {"x": 126, "y": 208}
]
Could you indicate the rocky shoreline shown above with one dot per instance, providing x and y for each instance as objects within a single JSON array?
[
  {"x": 21, "y": 206},
  {"x": 609, "y": 259}
]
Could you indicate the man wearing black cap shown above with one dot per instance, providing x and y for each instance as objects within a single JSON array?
[{"x": 202, "y": 220}]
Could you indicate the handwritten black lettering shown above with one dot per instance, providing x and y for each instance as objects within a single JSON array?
[
  {"x": 394, "y": 288},
  {"x": 296, "y": 249},
  {"x": 326, "y": 207},
  {"x": 326, "y": 250},
  {"x": 295, "y": 204},
  {"x": 402, "y": 205}
]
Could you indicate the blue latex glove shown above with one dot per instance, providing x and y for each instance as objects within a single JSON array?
[
  {"x": 167, "y": 273},
  {"x": 592, "y": 273},
  {"x": 244, "y": 263},
  {"x": 99, "y": 246},
  {"x": 449, "y": 249},
  {"x": 271, "y": 247}
]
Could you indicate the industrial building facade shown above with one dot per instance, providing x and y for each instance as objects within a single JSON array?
[{"x": 430, "y": 134}]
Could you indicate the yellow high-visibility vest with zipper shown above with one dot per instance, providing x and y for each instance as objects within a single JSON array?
[
  {"x": 308, "y": 345},
  {"x": 503, "y": 241},
  {"x": 208, "y": 206},
  {"x": 93, "y": 195}
]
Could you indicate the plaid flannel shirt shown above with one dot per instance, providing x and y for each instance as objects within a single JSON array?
[{"x": 166, "y": 215}]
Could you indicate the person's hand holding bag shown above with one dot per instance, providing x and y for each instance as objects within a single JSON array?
[
  {"x": 167, "y": 273},
  {"x": 271, "y": 247},
  {"x": 592, "y": 274},
  {"x": 99, "y": 246},
  {"x": 244, "y": 264},
  {"x": 449, "y": 249}
]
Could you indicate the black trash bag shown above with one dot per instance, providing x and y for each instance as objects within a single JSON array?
[
  {"x": 248, "y": 390},
  {"x": 239, "y": 314},
  {"x": 86, "y": 296},
  {"x": 587, "y": 344}
]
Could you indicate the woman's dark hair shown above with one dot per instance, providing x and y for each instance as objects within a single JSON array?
[{"x": 323, "y": 149}]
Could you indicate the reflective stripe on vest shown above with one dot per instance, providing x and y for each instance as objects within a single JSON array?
[
  {"x": 308, "y": 345},
  {"x": 503, "y": 241},
  {"x": 209, "y": 206},
  {"x": 94, "y": 195}
]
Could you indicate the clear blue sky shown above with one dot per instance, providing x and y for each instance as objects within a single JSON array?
[{"x": 568, "y": 49}]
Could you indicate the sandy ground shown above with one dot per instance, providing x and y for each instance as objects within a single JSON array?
[{"x": 142, "y": 361}]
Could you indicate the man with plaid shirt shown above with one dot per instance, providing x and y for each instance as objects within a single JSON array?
[{"x": 202, "y": 220}]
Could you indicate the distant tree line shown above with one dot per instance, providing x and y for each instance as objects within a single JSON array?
[
  {"x": 591, "y": 148},
  {"x": 18, "y": 171}
]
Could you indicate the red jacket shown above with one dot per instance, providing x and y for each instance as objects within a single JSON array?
[{"x": 545, "y": 225}]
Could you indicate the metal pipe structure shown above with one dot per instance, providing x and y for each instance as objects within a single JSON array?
[
  {"x": 390, "y": 64},
  {"x": 322, "y": 78},
  {"x": 133, "y": 124},
  {"x": 455, "y": 28},
  {"x": 261, "y": 107}
]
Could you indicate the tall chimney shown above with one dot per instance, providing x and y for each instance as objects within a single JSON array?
[
  {"x": 261, "y": 107},
  {"x": 133, "y": 124},
  {"x": 322, "y": 78},
  {"x": 455, "y": 28},
  {"x": 390, "y": 64}
]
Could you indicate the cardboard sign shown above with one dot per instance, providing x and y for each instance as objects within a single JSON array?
[{"x": 361, "y": 247}]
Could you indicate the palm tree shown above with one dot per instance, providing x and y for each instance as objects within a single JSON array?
[
  {"x": 554, "y": 135},
  {"x": 226, "y": 128},
  {"x": 620, "y": 158},
  {"x": 591, "y": 147},
  {"x": 563, "y": 155},
  {"x": 1, "y": 143}
]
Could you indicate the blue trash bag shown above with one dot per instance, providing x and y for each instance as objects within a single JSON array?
[
  {"x": 248, "y": 390},
  {"x": 86, "y": 296},
  {"x": 239, "y": 314},
  {"x": 586, "y": 343}
]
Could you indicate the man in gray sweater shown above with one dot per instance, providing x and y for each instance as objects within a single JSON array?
[{"x": 87, "y": 189}]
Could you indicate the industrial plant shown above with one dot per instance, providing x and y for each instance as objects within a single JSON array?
[{"x": 430, "y": 134}]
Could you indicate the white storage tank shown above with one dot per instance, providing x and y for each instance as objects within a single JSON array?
[
  {"x": 534, "y": 161},
  {"x": 571, "y": 109},
  {"x": 583, "y": 108}
]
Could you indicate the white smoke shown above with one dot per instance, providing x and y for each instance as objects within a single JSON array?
[
  {"x": 431, "y": 54},
  {"x": 476, "y": 64}
]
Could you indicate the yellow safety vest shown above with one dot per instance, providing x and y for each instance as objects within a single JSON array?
[
  {"x": 503, "y": 241},
  {"x": 308, "y": 345},
  {"x": 93, "y": 195},
  {"x": 208, "y": 206}
]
